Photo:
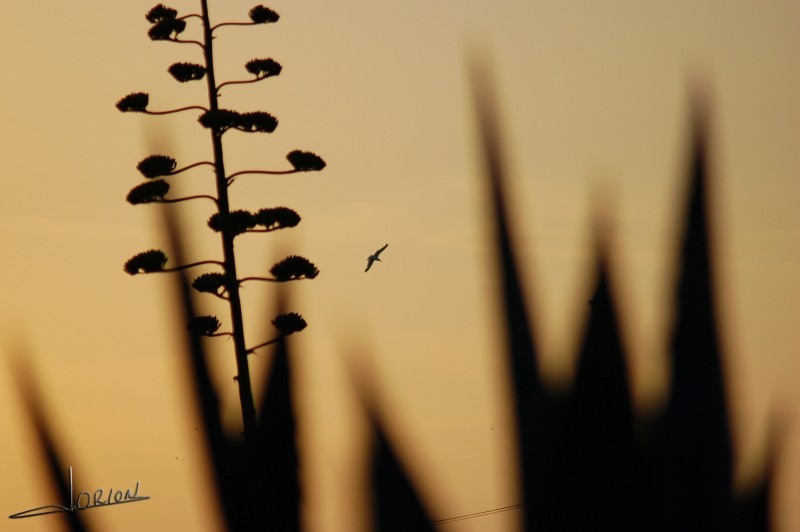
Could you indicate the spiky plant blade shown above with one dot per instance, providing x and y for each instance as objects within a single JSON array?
[
  {"x": 697, "y": 431},
  {"x": 278, "y": 455},
  {"x": 57, "y": 468},
  {"x": 528, "y": 398},
  {"x": 602, "y": 465},
  {"x": 398, "y": 507},
  {"x": 229, "y": 462}
]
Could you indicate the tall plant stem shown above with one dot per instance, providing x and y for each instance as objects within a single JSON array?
[{"x": 245, "y": 388}]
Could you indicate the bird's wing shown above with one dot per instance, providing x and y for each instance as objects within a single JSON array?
[
  {"x": 381, "y": 250},
  {"x": 369, "y": 263}
]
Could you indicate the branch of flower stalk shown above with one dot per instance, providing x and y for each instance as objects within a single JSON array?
[
  {"x": 265, "y": 230},
  {"x": 187, "y": 266},
  {"x": 189, "y": 108},
  {"x": 154, "y": 260},
  {"x": 221, "y": 296},
  {"x": 271, "y": 279},
  {"x": 229, "y": 334},
  {"x": 302, "y": 161},
  {"x": 188, "y": 41},
  {"x": 239, "y": 82},
  {"x": 269, "y": 342},
  {"x": 267, "y": 172},
  {"x": 221, "y": 24},
  {"x": 286, "y": 324},
  {"x": 187, "y": 198},
  {"x": 209, "y": 163},
  {"x": 192, "y": 15}
]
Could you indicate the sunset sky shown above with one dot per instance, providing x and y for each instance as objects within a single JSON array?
[{"x": 593, "y": 96}]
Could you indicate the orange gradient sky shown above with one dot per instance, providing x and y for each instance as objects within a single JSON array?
[{"x": 592, "y": 93}]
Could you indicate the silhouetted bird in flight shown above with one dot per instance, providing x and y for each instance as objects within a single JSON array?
[{"x": 375, "y": 256}]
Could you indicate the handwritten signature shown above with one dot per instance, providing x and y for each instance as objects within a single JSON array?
[{"x": 85, "y": 501}]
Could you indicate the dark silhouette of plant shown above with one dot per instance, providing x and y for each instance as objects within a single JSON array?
[
  {"x": 168, "y": 26},
  {"x": 586, "y": 463},
  {"x": 397, "y": 505},
  {"x": 696, "y": 423},
  {"x": 49, "y": 445}
]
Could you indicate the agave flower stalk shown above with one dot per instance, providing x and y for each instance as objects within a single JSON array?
[
  {"x": 242, "y": 367},
  {"x": 228, "y": 222}
]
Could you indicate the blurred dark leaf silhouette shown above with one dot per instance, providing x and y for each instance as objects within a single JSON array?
[
  {"x": 586, "y": 463},
  {"x": 57, "y": 468},
  {"x": 534, "y": 424},
  {"x": 602, "y": 469},
  {"x": 753, "y": 507},
  {"x": 397, "y": 505},
  {"x": 277, "y": 444},
  {"x": 185, "y": 72},
  {"x": 696, "y": 420}
]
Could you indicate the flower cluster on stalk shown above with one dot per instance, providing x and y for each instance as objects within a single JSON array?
[
  {"x": 146, "y": 262},
  {"x": 294, "y": 267},
  {"x": 184, "y": 72},
  {"x": 156, "y": 166},
  {"x": 204, "y": 325},
  {"x": 242, "y": 221},
  {"x": 221, "y": 120},
  {"x": 289, "y": 323},
  {"x": 149, "y": 192},
  {"x": 166, "y": 24},
  {"x": 263, "y": 68},
  {"x": 210, "y": 283},
  {"x": 263, "y": 15},
  {"x": 305, "y": 161},
  {"x": 134, "y": 103}
]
